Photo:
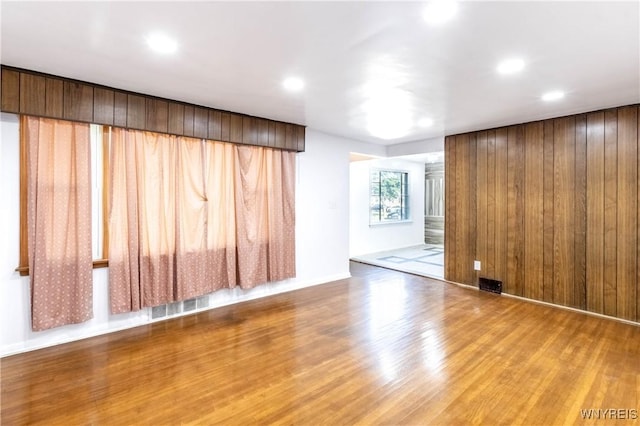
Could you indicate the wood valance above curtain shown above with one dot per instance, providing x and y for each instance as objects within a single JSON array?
[{"x": 43, "y": 95}]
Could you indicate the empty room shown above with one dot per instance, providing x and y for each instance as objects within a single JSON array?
[{"x": 320, "y": 212}]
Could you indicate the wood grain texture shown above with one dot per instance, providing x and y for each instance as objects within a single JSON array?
[
  {"x": 120, "y": 105},
  {"x": 280, "y": 136},
  {"x": 201, "y": 122},
  {"x": 548, "y": 211},
  {"x": 32, "y": 94},
  {"x": 533, "y": 198},
  {"x": 156, "y": 115},
  {"x": 78, "y": 102},
  {"x": 556, "y": 210},
  {"x": 595, "y": 213},
  {"x": 337, "y": 354},
  {"x": 43, "y": 95},
  {"x": 481, "y": 252},
  {"x": 449, "y": 206},
  {"x": 514, "y": 284},
  {"x": 489, "y": 269},
  {"x": 136, "y": 112},
  {"x": 188, "y": 120},
  {"x": 249, "y": 133},
  {"x": 215, "y": 125},
  {"x": 10, "y": 96},
  {"x": 225, "y": 127},
  {"x": 627, "y": 212},
  {"x": 175, "y": 118},
  {"x": 54, "y": 97},
  {"x": 610, "y": 212},
  {"x": 580, "y": 214},
  {"x": 501, "y": 205},
  {"x": 103, "y": 106},
  {"x": 563, "y": 218},
  {"x": 235, "y": 128}
]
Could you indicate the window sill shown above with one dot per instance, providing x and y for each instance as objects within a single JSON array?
[
  {"x": 395, "y": 222},
  {"x": 98, "y": 263}
]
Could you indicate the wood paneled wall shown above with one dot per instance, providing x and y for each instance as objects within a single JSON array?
[
  {"x": 550, "y": 208},
  {"x": 28, "y": 92}
]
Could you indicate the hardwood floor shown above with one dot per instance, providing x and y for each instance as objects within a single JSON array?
[{"x": 383, "y": 347}]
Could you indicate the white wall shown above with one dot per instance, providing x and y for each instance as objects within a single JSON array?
[
  {"x": 322, "y": 242},
  {"x": 365, "y": 238}
]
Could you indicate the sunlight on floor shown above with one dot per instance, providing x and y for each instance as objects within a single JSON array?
[{"x": 425, "y": 259}]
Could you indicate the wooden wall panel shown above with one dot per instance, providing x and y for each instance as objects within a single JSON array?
[
  {"x": 136, "y": 112},
  {"x": 551, "y": 209},
  {"x": 450, "y": 168},
  {"x": 33, "y": 93},
  {"x": 201, "y": 122},
  {"x": 488, "y": 268},
  {"x": 580, "y": 214},
  {"x": 103, "y": 107},
  {"x": 280, "y": 136},
  {"x": 610, "y": 211},
  {"x": 481, "y": 202},
  {"x": 514, "y": 283},
  {"x": 188, "y": 120},
  {"x": 156, "y": 115},
  {"x": 548, "y": 212},
  {"x": 563, "y": 218},
  {"x": 263, "y": 132},
  {"x": 78, "y": 102},
  {"x": 215, "y": 125},
  {"x": 235, "y": 129},
  {"x": 54, "y": 97},
  {"x": 533, "y": 198},
  {"x": 501, "y": 205},
  {"x": 175, "y": 118},
  {"x": 225, "y": 127},
  {"x": 10, "y": 90},
  {"x": 595, "y": 213},
  {"x": 300, "y": 146},
  {"x": 249, "y": 134},
  {"x": 120, "y": 104},
  {"x": 627, "y": 212}
]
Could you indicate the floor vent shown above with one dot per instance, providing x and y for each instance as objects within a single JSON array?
[{"x": 493, "y": 286}]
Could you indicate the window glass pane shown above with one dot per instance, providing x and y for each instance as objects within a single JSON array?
[{"x": 389, "y": 197}]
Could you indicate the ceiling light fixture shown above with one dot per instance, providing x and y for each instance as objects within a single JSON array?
[
  {"x": 553, "y": 96},
  {"x": 161, "y": 43},
  {"x": 510, "y": 66},
  {"x": 439, "y": 11},
  {"x": 293, "y": 84}
]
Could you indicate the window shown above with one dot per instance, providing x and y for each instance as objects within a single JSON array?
[
  {"x": 99, "y": 167},
  {"x": 389, "y": 196}
]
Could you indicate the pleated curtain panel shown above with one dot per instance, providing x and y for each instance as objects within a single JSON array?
[
  {"x": 58, "y": 221},
  {"x": 188, "y": 217}
]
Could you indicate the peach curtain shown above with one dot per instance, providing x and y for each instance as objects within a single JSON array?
[
  {"x": 189, "y": 217},
  {"x": 59, "y": 221}
]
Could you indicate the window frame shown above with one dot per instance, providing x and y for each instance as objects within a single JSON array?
[
  {"x": 405, "y": 211},
  {"x": 103, "y": 261}
]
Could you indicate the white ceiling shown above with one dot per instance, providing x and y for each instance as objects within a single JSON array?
[{"x": 234, "y": 56}]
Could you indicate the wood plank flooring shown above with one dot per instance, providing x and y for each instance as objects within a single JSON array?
[{"x": 383, "y": 347}]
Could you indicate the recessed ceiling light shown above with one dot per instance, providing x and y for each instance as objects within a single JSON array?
[
  {"x": 293, "y": 84},
  {"x": 510, "y": 66},
  {"x": 425, "y": 122},
  {"x": 161, "y": 43},
  {"x": 439, "y": 11},
  {"x": 553, "y": 96}
]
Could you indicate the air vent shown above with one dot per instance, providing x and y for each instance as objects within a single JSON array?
[{"x": 493, "y": 286}]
